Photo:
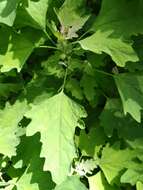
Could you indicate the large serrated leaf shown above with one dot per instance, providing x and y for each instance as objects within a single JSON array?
[
  {"x": 120, "y": 51},
  {"x": 56, "y": 119}
]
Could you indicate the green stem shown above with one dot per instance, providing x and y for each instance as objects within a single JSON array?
[
  {"x": 104, "y": 73},
  {"x": 83, "y": 35},
  {"x": 77, "y": 41},
  {"x": 48, "y": 47},
  {"x": 48, "y": 36},
  {"x": 65, "y": 78}
]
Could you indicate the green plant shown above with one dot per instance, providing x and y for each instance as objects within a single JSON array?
[{"x": 71, "y": 94}]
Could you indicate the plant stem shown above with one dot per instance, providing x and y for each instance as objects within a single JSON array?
[
  {"x": 48, "y": 36},
  {"x": 83, "y": 35},
  {"x": 104, "y": 73},
  {"x": 65, "y": 78},
  {"x": 48, "y": 47},
  {"x": 75, "y": 42}
]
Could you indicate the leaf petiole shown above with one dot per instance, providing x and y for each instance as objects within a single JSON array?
[{"x": 48, "y": 47}]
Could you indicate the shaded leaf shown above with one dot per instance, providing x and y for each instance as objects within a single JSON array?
[
  {"x": 33, "y": 178},
  {"x": 131, "y": 92},
  {"x": 16, "y": 48},
  {"x": 73, "y": 86},
  {"x": 114, "y": 161},
  {"x": 8, "y": 11},
  {"x": 10, "y": 117},
  {"x": 34, "y": 14},
  {"x": 112, "y": 34},
  {"x": 91, "y": 143}
]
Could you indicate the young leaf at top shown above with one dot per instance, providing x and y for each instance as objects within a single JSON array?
[
  {"x": 72, "y": 17},
  {"x": 57, "y": 132}
]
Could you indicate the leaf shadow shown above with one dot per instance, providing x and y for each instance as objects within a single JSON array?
[
  {"x": 128, "y": 130},
  {"x": 29, "y": 152},
  {"x": 91, "y": 143},
  {"x": 5, "y": 40},
  {"x": 9, "y": 8}
]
